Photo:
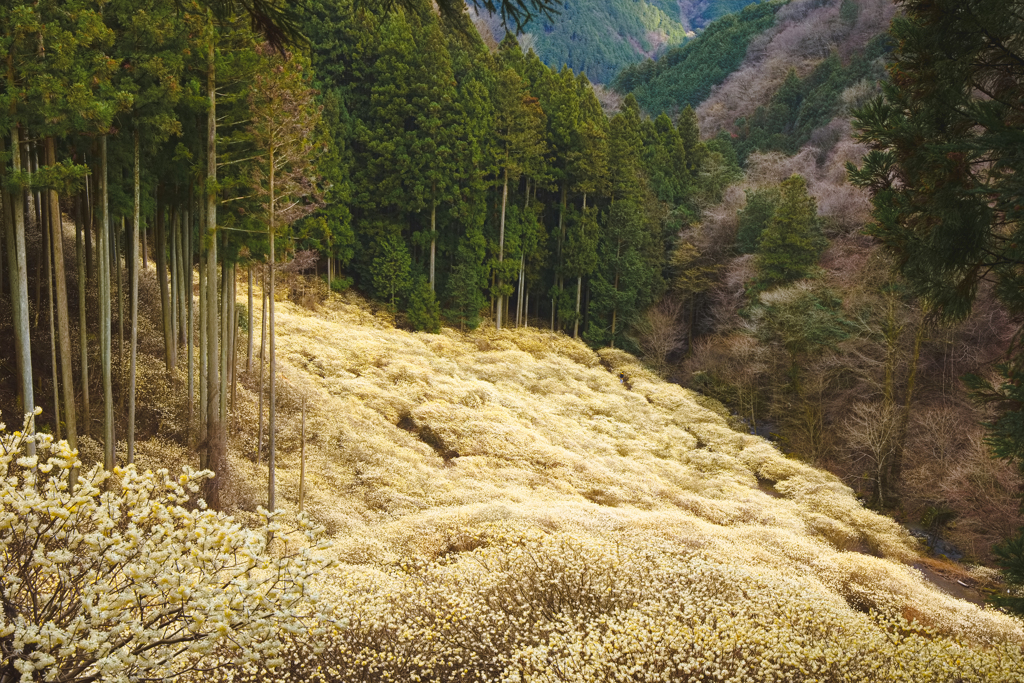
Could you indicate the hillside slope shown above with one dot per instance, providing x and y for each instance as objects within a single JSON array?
[
  {"x": 503, "y": 505},
  {"x": 601, "y": 37}
]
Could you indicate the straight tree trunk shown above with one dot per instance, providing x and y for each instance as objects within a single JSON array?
[
  {"x": 271, "y": 422},
  {"x": 190, "y": 321},
  {"x": 501, "y": 246},
  {"x": 302, "y": 458},
  {"x": 233, "y": 326},
  {"x": 215, "y": 443},
  {"x": 48, "y": 251},
  {"x": 3, "y": 232},
  {"x": 63, "y": 321},
  {"x": 17, "y": 272},
  {"x": 136, "y": 219},
  {"x": 579, "y": 286},
  {"x": 433, "y": 237},
  {"x": 33, "y": 167},
  {"x": 145, "y": 263},
  {"x": 103, "y": 254},
  {"x": 161, "y": 276},
  {"x": 32, "y": 164},
  {"x": 203, "y": 360},
  {"x": 172, "y": 268},
  {"x": 83, "y": 337},
  {"x": 263, "y": 344},
  {"x": 89, "y": 221},
  {"x": 225, "y": 334},
  {"x": 120, "y": 314},
  {"x": 522, "y": 264},
  {"x": 248, "y": 354},
  {"x": 183, "y": 291}
]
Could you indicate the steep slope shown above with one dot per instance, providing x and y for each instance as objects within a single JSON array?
[
  {"x": 503, "y": 505},
  {"x": 805, "y": 33},
  {"x": 601, "y": 37}
]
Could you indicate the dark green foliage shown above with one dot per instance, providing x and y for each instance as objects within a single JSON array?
[
  {"x": 755, "y": 216},
  {"x": 665, "y": 161},
  {"x": 1010, "y": 557},
  {"x": 602, "y": 37},
  {"x": 947, "y": 178},
  {"x": 391, "y": 269},
  {"x": 424, "y": 312},
  {"x": 801, "y": 106},
  {"x": 430, "y": 135},
  {"x": 789, "y": 247},
  {"x": 804, "y": 320},
  {"x": 685, "y": 75},
  {"x": 466, "y": 284}
]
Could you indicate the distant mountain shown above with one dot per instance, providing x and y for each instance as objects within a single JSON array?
[{"x": 602, "y": 37}]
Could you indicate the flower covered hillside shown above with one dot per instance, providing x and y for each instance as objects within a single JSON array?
[{"x": 505, "y": 507}]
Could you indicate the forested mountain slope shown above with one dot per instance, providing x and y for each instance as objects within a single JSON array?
[
  {"x": 742, "y": 63},
  {"x": 601, "y": 37},
  {"x": 794, "y": 318}
]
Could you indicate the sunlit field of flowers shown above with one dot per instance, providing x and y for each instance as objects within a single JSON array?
[{"x": 503, "y": 508}]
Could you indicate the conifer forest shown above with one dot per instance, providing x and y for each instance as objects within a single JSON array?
[{"x": 511, "y": 341}]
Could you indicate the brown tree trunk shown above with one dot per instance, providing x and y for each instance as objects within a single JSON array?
[
  {"x": 48, "y": 255},
  {"x": 83, "y": 337},
  {"x": 161, "y": 276},
  {"x": 215, "y": 437},
  {"x": 103, "y": 256},
  {"x": 501, "y": 246},
  {"x": 272, "y": 413},
  {"x": 136, "y": 219},
  {"x": 63, "y": 322}
]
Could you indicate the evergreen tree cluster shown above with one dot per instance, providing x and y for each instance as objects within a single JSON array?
[
  {"x": 490, "y": 185},
  {"x": 183, "y": 132}
]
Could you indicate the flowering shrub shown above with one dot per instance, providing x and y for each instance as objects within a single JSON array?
[{"x": 121, "y": 579}]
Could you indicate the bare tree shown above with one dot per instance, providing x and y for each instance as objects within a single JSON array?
[{"x": 660, "y": 332}]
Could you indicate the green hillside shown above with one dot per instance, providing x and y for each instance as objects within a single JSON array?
[
  {"x": 602, "y": 37},
  {"x": 685, "y": 75}
]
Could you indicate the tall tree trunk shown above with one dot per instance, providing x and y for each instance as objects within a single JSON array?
[
  {"x": 203, "y": 360},
  {"x": 89, "y": 219},
  {"x": 116, "y": 242},
  {"x": 225, "y": 334},
  {"x": 3, "y": 224},
  {"x": 190, "y": 321},
  {"x": 272, "y": 413},
  {"x": 579, "y": 286},
  {"x": 233, "y": 326},
  {"x": 263, "y": 345},
  {"x": 83, "y": 337},
  {"x": 501, "y": 247},
  {"x": 136, "y": 219},
  {"x": 143, "y": 248},
  {"x": 215, "y": 443},
  {"x": 17, "y": 271},
  {"x": 248, "y": 353},
  {"x": 48, "y": 252},
  {"x": 172, "y": 268},
  {"x": 184, "y": 287},
  {"x": 103, "y": 255},
  {"x": 63, "y": 322},
  {"x": 433, "y": 232},
  {"x": 31, "y": 164},
  {"x": 161, "y": 277}
]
